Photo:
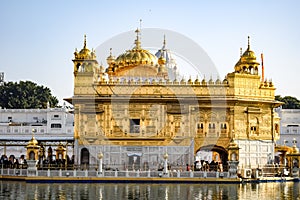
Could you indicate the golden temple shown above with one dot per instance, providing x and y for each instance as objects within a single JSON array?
[{"x": 133, "y": 112}]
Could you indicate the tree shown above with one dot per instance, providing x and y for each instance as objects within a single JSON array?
[
  {"x": 25, "y": 95},
  {"x": 289, "y": 102}
]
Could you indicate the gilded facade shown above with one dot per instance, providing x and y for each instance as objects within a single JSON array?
[{"x": 134, "y": 112}]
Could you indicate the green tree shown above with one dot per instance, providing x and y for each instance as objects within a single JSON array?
[
  {"x": 289, "y": 102},
  {"x": 25, "y": 95}
]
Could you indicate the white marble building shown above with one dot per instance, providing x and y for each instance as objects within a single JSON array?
[
  {"x": 289, "y": 126},
  {"x": 49, "y": 126}
]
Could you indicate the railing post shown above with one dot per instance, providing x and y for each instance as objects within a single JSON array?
[
  {"x": 205, "y": 174},
  {"x": 232, "y": 170},
  {"x": 191, "y": 174},
  {"x": 100, "y": 156},
  {"x": 165, "y": 170},
  {"x": 217, "y": 174},
  {"x": 32, "y": 169}
]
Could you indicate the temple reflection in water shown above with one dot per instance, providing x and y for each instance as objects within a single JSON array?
[{"x": 16, "y": 190}]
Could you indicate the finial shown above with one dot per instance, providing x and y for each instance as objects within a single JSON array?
[
  {"x": 241, "y": 51},
  {"x": 137, "y": 41},
  {"x": 137, "y": 32},
  {"x": 248, "y": 42},
  {"x": 164, "y": 43},
  {"x": 140, "y": 28},
  {"x": 262, "y": 67},
  {"x": 84, "y": 45},
  {"x": 33, "y": 131},
  {"x": 110, "y": 51},
  {"x": 140, "y": 24}
]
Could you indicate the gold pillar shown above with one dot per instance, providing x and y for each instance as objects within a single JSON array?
[
  {"x": 60, "y": 151},
  {"x": 233, "y": 151},
  {"x": 293, "y": 159},
  {"x": 32, "y": 149}
]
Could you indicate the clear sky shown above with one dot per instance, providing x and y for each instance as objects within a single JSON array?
[{"x": 38, "y": 38}]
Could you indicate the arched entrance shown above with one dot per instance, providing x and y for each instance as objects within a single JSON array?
[
  {"x": 212, "y": 155},
  {"x": 85, "y": 157},
  {"x": 134, "y": 161},
  {"x": 31, "y": 155}
]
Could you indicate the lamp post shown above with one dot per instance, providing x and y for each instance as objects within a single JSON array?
[
  {"x": 166, "y": 163},
  {"x": 100, "y": 156},
  {"x": 294, "y": 142}
]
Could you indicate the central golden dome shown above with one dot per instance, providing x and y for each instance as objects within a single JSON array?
[{"x": 137, "y": 55}]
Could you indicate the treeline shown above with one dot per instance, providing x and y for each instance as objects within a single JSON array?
[
  {"x": 25, "y": 95},
  {"x": 289, "y": 102}
]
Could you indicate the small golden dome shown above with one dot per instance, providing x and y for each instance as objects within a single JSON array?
[
  {"x": 225, "y": 81},
  {"x": 247, "y": 59},
  {"x": 161, "y": 60},
  {"x": 203, "y": 82},
  {"x": 85, "y": 53},
  {"x": 232, "y": 145},
  {"x": 197, "y": 82},
  {"x": 60, "y": 147},
  {"x": 32, "y": 143},
  {"x": 110, "y": 59},
  {"x": 248, "y": 56}
]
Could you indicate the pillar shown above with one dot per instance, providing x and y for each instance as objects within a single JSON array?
[
  {"x": 32, "y": 156},
  {"x": 100, "y": 156},
  {"x": 233, "y": 159},
  {"x": 166, "y": 164}
]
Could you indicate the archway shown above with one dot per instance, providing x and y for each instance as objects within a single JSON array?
[
  {"x": 85, "y": 157},
  {"x": 31, "y": 155},
  {"x": 134, "y": 161},
  {"x": 212, "y": 155}
]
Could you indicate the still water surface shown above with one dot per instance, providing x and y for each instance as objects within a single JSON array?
[{"x": 264, "y": 191}]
